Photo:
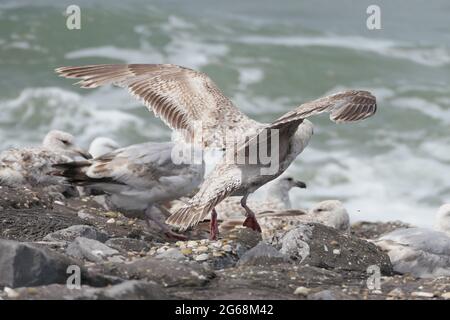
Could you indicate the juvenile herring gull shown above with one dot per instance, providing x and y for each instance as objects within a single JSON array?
[
  {"x": 102, "y": 145},
  {"x": 137, "y": 178},
  {"x": 30, "y": 166},
  {"x": 276, "y": 198},
  {"x": 189, "y": 101},
  {"x": 421, "y": 252}
]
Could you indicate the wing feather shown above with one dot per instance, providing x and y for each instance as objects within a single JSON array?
[{"x": 183, "y": 98}]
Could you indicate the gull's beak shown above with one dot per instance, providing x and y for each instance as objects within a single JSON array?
[
  {"x": 300, "y": 184},
  {"x": 82, "y": 153}
]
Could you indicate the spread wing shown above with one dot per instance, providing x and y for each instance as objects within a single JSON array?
[
  {"x": 186, "y": 100},
  {"x": 346, "y": 106}
]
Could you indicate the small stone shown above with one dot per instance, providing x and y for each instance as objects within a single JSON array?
[
  {"x": 302, "y": 291},
  {"x": 186, "y": 251},
  {"x": 336, "y": 251},
  {"x": 446, "y": 295},
  {"x": 11, "y": 293},
  {"x": 111, "y": 214},
  {"x": 84, "y": 215},
  {"x": 171, "y": 253},
  {"x": 201, "y": 257},
  {"x": 217, "y": 254},
  {"x": 192, "y": 244},
  {"x": 397, "y": 292},
  {"x": 202, "y": 249},
  {"x": 120, "y": 223},
  {"x": 227, "y": 248},
  {"x": 111, "y": 221},
  {"x": 161, "y": 250},
  {"x": 422, "y": 294}
]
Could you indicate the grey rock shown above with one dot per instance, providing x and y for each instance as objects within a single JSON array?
[
  {"x": 321, "y": 246},
  {"x": 330, "y": 295},
  {"x": 172, "y": 253},
  {"x": 127, "y": 290},
  {"x": 71, "y": 233},
  {"x": 132, "y": 290},
  {"x": 165, "y": 272},
  {"x": 262, "y": 254},
  {"x": 128, "y": 244},
  {"x": 22, "y": 264},
  {"x": 92, "y": 250}
]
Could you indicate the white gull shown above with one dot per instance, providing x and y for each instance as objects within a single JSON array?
[
  {"x": 31, "y": 166},
  {"x": 138, "y": 178},
  {"x": 421, "y": 252}
]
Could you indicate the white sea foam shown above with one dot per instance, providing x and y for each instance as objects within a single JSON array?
[
  {"x": 39, "y": 110},
  {"x": 430, "y": 56},
  {"x": 389, "y": 186},
  {"x": 428, "y": 108},
  {"x": 127, "y": 55}
]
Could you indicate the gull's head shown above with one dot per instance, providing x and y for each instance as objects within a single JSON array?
[
  {"x": 442, "y": 222},
  {"x": 334, "y": 207},
  {"x": 287, "y": 183},
  {"x": 334, "y": 212},
  {"x": 102, "y": 145},
  {"x": 63, "y": 142}
]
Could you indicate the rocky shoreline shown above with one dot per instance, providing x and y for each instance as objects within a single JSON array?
[{"x": 48, "y": 243}]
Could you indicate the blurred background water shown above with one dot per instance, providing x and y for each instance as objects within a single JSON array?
[{"x": 268, "y": 56}]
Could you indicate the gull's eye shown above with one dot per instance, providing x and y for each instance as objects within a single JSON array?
[
  {"x": 289, "y": 179},
  {"x": 65, "y": 142},
  {"x": 319, "y": 210}
]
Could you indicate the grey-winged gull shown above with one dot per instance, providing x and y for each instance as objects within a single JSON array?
[
  {"x": 421, "y": 252},
  {"x": 102, "y": 145},
  {"x": 30, "y": 166},
  {"x": 138, "y": 178},
  {"x": 190, "y": 102}
]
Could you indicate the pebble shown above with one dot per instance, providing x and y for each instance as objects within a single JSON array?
[
  {"x": 336, "y": 251},
  {"x": 422, "y": 294},
  {"x": 161, "y": 250},
  {"x": 397, "y": 292},
  {"x": 446, "y": 295},
  {"x": 110, "y": 221},
  {"x": 201, "y": 257},
  {"x": 302, "y": 291},
  {"x": 192, "y": 244},
  {"x": 227, "y": 248},
  {"x": 202, "y": 249},
  {"x": 111, "y": 214},
  {"x": 186, "y": 251},
  {"x": 11, "y": 293}
]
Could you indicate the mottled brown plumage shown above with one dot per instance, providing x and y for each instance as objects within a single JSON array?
[{"x": 188, "y": 101}]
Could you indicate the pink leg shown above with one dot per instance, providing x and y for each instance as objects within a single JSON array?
[
  {"x": 214, "y": 226},
  {"x": 250, "y": 221}
]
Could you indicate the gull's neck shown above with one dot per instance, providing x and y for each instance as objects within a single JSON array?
[{"x": 277, "y": 193}]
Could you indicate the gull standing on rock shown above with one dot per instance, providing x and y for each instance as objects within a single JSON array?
[
  {"x": 138, "y": 178},
  {"x": 421, "y": 252},
  {"x": 30, "y": 167},
  {"x": 190, "y": 102}
]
